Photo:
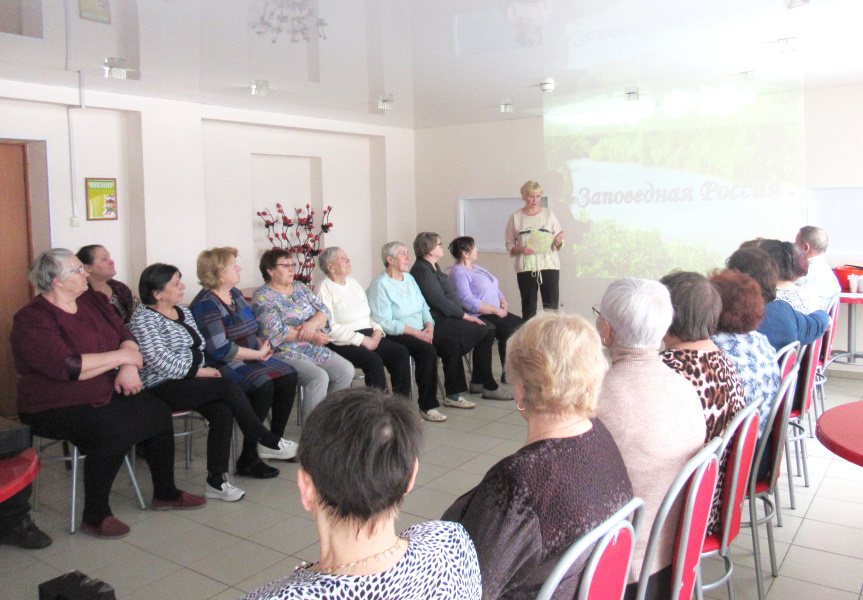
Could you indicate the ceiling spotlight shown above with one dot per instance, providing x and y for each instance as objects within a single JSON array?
[
  {"x": 788, "y": 44},
  {"x": 547, "y": 84},
  {"x": 114, "y": 68},
  {"x": 630, "y": 93},
  {"x": 260, "y": 87},
  {"x": 795, "y": 3},
  {"x": 385, "y": 102},
  {"x": 506, "y": 105}
]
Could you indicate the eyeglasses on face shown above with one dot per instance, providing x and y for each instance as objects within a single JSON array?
[
  {"x": 79, "y": 270},
  {"x": 596, "y": 310}
]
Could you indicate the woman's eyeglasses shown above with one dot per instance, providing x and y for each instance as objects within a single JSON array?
[{"x": 596, "y": 310}]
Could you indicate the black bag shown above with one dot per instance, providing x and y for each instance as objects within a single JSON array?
[
  {"x": 14, "y": 437},
  {"x": 75, "y": 586}
]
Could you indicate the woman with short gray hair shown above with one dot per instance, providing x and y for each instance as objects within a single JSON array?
[
  {"x": 354, "y": 335},
  {"x": 652, "y": 412},
  {"x": 79, "y": 364}
]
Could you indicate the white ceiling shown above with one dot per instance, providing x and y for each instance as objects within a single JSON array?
[{"x": 444, "y": 61}]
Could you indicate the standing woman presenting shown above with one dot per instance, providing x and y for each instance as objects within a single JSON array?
[{"x": 534, "y": 237}]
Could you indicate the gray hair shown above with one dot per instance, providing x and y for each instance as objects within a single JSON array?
[
  {"x": 326, "y": 257},
  {"x": 424, "y": 243},
  {"x": 638, "y": 310},
  {"x": 815, "y": 237},
  {"x": 47, "y": 266},
  {"x": 390, "y": 249}
]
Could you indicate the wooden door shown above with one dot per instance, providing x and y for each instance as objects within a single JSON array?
[{"x": 15, "y": 248}]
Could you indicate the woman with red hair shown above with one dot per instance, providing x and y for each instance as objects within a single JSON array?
[{"x": 736, "y": 335}]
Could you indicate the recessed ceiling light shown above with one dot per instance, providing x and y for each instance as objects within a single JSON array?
[
  {"x": 260, "y": 87},
  {"x": 385, "y": 102},
  {"x": 506, "y": 105}
]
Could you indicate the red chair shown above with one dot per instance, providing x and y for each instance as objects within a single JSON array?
[
  {"x": 787, "y": 357},
  {"x": 698, "y": 479},
  {"x": 826, "y": 357},
  {"x": 740, "y": 437},
  {"x": 611, "y": 547},
  {"x": 803, "y": 397},
  {"x": 764, "y": 488}
]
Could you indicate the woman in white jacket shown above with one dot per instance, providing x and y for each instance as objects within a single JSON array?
[{"x": 354, "y": 335}]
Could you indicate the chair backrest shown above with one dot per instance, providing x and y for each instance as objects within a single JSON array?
[
  {"x": 776, "y": 426},
  {"x": 697, "y": 480},
  {"x": 740, "y": 438},
  {"x": 830, "y": 334},
  {"x": 787, "y": 356},
  {"x": 613, "y": 543},
  {"x": 806, "y": 377}
]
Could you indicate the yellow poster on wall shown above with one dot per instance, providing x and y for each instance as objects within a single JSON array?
[
  {"x": 101, "y": 199},
  {"x": 95, "y": 10}
]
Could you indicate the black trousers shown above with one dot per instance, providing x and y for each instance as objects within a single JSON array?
[
  {"x": 105, "y": 434},
  {"x": 14, "y": 510},
  {"x": 219, "y": 401},
  {"x": 389, "y": 353},
  {"x": 278, "y": 394},
  {"x": 504, "y": 327},
  {"x": 425, "y": 368},
  {"x": 549, "y": 289},
  {"x": 470, "y": 336}
]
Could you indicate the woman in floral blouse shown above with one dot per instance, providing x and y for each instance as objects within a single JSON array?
[{"x": 296, "y": 323}]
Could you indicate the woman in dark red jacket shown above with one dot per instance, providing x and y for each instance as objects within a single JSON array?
[{"x": 79, "y": 382}]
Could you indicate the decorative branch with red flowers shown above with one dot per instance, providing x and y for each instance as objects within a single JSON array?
[{"x": 298, "y": 236}]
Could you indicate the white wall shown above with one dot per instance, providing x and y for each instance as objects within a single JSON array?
[{"x": 184, "y": 175}]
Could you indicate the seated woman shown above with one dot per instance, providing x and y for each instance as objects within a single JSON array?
[
  {"x": 690, "y": 352},
  {"x": 292, "y": 318},
  {"x": 652, "y": 412},
  {"x": 174, "y": 370},
  {"x": 79, "y": 364},
  {"x": 749, "y": 350},
  {"x": 359, "y": 454},
  {"x": 793, "y": 264},
  {"x": 354, "y": 335},
  {"x": 399, "y": 307},
  {"x": 450, "y": 318},
  {"x": 231, "y": 346},
  {"x": 480, "y": 293},
  {"x": 781, "y": 324},
  {"x": 97, "y": 262},
  {"x": 568, "y": 478}
]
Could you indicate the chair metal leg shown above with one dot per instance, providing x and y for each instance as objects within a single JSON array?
[
  {"x": 135, "y": 483},
  {"x": 74, "y": 487},
  {"x": 790, "y": 486},
  {"x": 699, "y": 591},
  {"x": 771, "y": 547},
  {"x": 756, "y": 546},
  {"x": 187, "y": 425},
  {"x": 440, "y": 383},
  {"x": 301, "y": 395}
]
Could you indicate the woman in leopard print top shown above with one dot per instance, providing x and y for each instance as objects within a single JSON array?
[{"x": 690, "y": 351}]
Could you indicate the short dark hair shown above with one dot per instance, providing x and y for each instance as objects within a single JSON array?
[
  {"x": 789, "y": 257},
  {"x": 424, "y": 243},
  {"x": 696, "y": 304},
  {"x": 154, "y": 279},
  {"x": 760, "y": 266},
  {"x": 461, "y": 246},
  {"x": 360, "y": 446},
  {"x": 269, "y": 260},
  {"x": 85, "y": 254},
  {"x": 742, "y": 304}
]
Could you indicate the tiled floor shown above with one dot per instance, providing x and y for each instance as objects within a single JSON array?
[{"x": 225, "y": 549}]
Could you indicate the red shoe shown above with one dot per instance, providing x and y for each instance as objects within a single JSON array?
[
  {"x": 111, "y": 528},
  {"x": 186, "y": 501}
]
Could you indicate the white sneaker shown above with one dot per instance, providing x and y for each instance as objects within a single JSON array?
[
  {"x": 228, "y": 492},
  {"x": 433, "y": 415},
  {"x": 287, "y": 450},
  {"x": 459, "y": 402}
]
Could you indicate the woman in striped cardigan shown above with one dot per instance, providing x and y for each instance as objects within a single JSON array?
[{"x": 173, "y": 351}]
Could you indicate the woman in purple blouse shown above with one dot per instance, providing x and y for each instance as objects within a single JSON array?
[{"x": 480, "y": 294}]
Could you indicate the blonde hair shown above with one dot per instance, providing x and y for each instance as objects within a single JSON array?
[
  {"x": 557, "y": 358},
  {"x": 211, "y": 265},
  {"x": 530, "y": 186}
]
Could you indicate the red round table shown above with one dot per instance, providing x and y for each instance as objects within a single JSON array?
[
  {"x": 17, "y": 472},
  {"x": 840, "y": 429}
]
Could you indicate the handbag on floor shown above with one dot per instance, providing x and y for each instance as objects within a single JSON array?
[{"x": 75, "y": 586}]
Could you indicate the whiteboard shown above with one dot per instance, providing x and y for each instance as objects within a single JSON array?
[
  {"x": 838, "y": 211},
  {"x": 485, "y": 219}
]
